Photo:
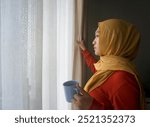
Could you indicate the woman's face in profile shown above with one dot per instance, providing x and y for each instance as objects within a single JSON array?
[{"x": 96, "y": 42}]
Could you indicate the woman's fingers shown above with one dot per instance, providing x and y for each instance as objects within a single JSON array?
[{"x": 81, "y": 44}]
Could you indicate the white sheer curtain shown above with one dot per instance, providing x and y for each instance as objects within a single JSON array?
[
  {"x": 21, "y": 50},
  {"x": 14, "y": 82},
  {"x": 65, "y": 45},
  {"x": 36, "y": 52},
  {"x": 49, "y": 69},
  {"x": 58, "y": 27}
]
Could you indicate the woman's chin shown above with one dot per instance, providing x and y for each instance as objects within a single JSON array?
[{"x": 97, "y": 54}]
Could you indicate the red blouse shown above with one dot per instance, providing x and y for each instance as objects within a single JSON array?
[{"x": 119, "y": 92}]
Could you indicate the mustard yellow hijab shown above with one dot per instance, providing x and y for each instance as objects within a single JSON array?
[{"x": 118, "y": 44}]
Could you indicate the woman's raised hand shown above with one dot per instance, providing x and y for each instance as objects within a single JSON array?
[{"x": 81, "y": 45}]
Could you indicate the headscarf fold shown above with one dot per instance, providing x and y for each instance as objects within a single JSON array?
[{"x": 118, "y": 45}]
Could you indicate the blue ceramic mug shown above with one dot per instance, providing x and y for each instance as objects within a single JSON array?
[{"x": 70, "y": 89}]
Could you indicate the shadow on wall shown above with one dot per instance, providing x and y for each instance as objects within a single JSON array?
[
  {"x": 147, "y": 90},
  {"x": 148, "y": 103}
]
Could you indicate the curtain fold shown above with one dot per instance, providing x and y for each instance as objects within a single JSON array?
[
  {"x": 34, "y": 52},
  {"x": 13, "y": 54},
  {"x": 65, "y": 39},
  {"x": 80, "y": 34},
  {"x": 49, "y": 67}
]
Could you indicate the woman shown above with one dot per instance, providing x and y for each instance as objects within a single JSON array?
[{"x": 115, "y": 83}]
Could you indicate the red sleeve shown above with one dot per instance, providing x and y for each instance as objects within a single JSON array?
[{"x": 89, "y": 59}]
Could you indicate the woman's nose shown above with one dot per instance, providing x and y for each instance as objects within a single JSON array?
[{"x": 93, "y": 42}]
